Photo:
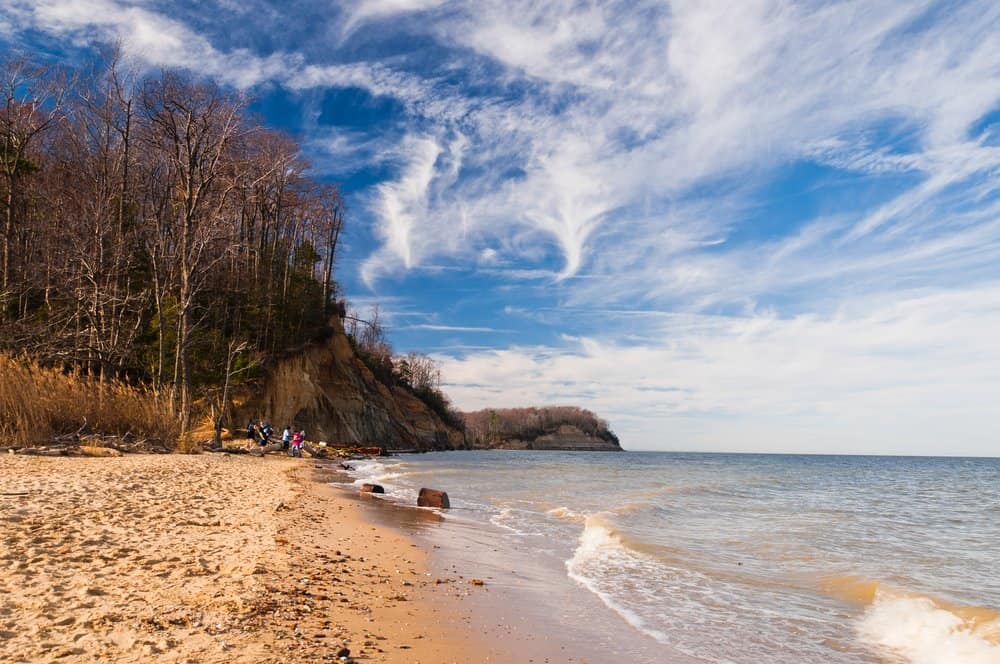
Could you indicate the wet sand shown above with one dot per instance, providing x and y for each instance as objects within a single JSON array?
[{"x": 216, "y": 558}]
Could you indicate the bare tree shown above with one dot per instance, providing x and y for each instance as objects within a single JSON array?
[
  {"x": 192, "y": 127},
  {"x": 31, "y": 103}
]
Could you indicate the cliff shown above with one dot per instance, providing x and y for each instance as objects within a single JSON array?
[
  {"x": 556, "y": 428},
  {"x": 328, "y": 391}
]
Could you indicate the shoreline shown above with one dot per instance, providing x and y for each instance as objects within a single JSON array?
[{"x": 214, "y": 558}]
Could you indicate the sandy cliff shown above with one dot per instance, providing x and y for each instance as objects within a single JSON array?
[{"x": 327, "y": 390}]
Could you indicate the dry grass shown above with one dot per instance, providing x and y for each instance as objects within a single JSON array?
[{"x": 38, "y": 403}]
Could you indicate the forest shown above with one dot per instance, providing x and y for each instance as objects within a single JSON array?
[
  {"x": 153, "y": 231},
  {"x": 483, "y": 428}
]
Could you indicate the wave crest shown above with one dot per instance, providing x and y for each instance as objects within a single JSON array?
[{"x": 923, "y": 631}]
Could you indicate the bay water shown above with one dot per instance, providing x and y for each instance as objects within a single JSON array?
[{"x": 731, "y": 557}]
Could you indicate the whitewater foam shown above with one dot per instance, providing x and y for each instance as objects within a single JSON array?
[
  {"x": 567, "y": 514},
  {"x": 599, "y": 555},
  {"x": 922, "y": 632}
]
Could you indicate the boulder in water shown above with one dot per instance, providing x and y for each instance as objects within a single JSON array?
[
  {"x": 433, "y": 498},
  {"x": 372, "y": 488}
]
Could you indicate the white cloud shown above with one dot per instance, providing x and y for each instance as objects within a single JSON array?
[
  {"x": 402, "y": 204},
  {"x": 150, "y": 37},
  {"x": 865, "y": 379},
  {"x": 654, "y": 100}
]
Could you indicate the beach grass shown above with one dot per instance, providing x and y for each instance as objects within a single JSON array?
[{"x": 39, "y": 403}]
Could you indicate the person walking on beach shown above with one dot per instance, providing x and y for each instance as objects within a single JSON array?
[
  {"x": 297, "y": 440},
  {"x": 286, "y": 437}
]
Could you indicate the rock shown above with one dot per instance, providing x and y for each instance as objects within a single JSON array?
[
  {"x": 433, "y": 498},
  {"x": 346, "y": 466},
  {"x": 344, "y": 652},
  {"x": 372, "y": 488}
]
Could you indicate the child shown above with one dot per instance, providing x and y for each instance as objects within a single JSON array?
[
  {"x": 286, "y": 437},
  {"x": 297, "y": 441}
]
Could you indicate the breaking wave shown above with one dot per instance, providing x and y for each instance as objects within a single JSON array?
[
  {"x": 919, "y": 629},
  {"x": 602, "y": 561}
]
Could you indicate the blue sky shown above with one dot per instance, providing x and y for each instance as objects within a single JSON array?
[{"x": 755, "y": 226}]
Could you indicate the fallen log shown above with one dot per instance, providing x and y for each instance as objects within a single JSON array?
[
  {"x": 42, "y": 451},
  {"x": 230, "y": 450},
  {"x": 92, "y": 451},
  {"x": 318, "y": 452},
  {"x": 273, "y": 447}
]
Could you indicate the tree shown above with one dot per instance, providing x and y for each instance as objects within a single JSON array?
[
  {"x": 31, "y": 100},
  {"x": 192, "y": 127}
]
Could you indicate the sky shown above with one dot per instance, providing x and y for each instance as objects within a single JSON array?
[{"x": 764, "y": 225}]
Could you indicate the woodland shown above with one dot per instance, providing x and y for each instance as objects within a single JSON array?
[{"x": 153, "y": 231}]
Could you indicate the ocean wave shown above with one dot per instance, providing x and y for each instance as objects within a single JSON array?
[
  {"x": 918, "y": 628},
  {"x": 922, "y": 631},
  {"x": 517, "y": 521},
  {"x": 600, "y": 561}
]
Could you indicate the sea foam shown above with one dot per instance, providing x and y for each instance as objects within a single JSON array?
[
  {"x": 923, "y": 632},
  {"x": 601, "y": 561}
]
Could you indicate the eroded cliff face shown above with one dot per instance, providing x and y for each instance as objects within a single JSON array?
[{"x": 328, "y": 391}]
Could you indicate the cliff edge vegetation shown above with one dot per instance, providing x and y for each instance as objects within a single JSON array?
[{"x": 552, "y": 428}]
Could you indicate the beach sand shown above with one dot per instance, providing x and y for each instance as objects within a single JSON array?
[{"x": 214, "y": 558}]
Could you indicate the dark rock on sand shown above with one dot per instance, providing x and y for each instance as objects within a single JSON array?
[
  {"x": 372, "y": 488},
  {"x": 433, "y": 498}
]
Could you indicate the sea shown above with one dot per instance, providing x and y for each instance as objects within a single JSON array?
[{"x": 690, "y": 557}]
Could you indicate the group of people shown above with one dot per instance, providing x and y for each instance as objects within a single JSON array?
[{"x": 291, "y": 441}]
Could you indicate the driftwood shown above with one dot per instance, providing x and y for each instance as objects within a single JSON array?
[
  {"x": 318, "y": 452},
  {"x": 230, "y": 450},
  {"x": 15, "y": 493},
  {"x": 43, "y": 451},
  {"x": 91, "y": 451},
  {"x": 273, "y": 447}
]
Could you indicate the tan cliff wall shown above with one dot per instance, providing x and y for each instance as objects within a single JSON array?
[{"x": 328, "y": 391}]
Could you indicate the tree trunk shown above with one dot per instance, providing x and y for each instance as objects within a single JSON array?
[{"x": 8, "y": 230}]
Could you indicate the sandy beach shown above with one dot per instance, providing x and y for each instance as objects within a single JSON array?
[{"x": 214, "y": 558}]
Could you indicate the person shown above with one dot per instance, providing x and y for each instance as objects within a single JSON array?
[
  {"x": 297, "y": 441},
  {"x": 251, "y": 430},
  {"x": 286, "y": 437},
  {"x": 265, "y": 433}
]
